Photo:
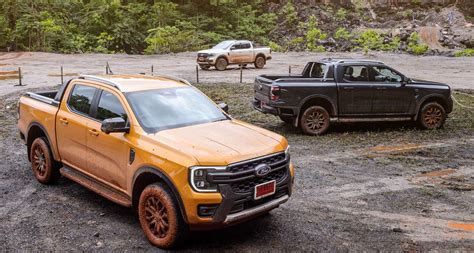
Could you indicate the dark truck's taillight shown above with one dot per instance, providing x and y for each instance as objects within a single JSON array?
[{"x": 275, "y": 93}]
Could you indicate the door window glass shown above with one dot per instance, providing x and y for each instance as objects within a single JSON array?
[
  {"x": 355, "y": 73},
  {"x": 384, "y": 74},
  {"x": 81, "y": 98},
  {"x": 109, "y": 107},
  {"x": 245, "y": 45}
]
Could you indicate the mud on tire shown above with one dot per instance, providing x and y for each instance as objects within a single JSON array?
[
  {"x": 160, "y": 217},
  {"x": 314, "y": 121},
  {"x": 432, "y": 116},
  {"x": 221, "y": 64},
  {"x": 44, "y": 166},
  {"x": 259, "y": 62}
]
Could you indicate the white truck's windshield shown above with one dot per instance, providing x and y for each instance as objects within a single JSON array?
[{"x": 223, "y": 45}]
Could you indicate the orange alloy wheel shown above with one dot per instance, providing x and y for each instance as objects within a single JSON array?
[
  {"x": 432, "y": 116},
  {"x": 160, "y": 217},
  {"x": 42, "y": 162}
]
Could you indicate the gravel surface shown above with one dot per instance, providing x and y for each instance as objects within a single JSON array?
[
  {"x": 43, "y": 69},
  {"x": 362, "y": 187}
]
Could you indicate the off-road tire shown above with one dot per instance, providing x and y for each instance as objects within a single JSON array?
[
  {"x": 432, "y": 115},
  {"x": 259, "y": 62},
  {"x": 314, "y": 120},
  {"x": 44, "y": 166},
  {"x": 205, "y": 67},
  {"x": 221, "y": 64},
  {"x": 160, "y": 217},
  {"x": 287, "y": 119}
]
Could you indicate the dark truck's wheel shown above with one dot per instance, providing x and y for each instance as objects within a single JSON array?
[
  {"x": 287, "y": 119},
  {"x": 432, "y": 116},
  {"x": 44, "y": 167},
  {"x": 205, "y": 67},
  {"x": 259, "y": 62},
  {"x": 160, "y": 217},
  {"x": 221, "y": 64},
  {"x": 315, "y": 120}
]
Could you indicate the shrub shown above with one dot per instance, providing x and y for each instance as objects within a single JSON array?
[
  {"x": 464, "y": 52},
  {"x": 342, "y": 34},
  {"x": 414, "y": 46},
  {"x": 370, "y": 39},
  {"x": 341, "y": 14}
]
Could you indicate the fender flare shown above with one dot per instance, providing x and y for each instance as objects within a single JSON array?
[
  {"x": 306, "y": 99},
  {"x": 159, "y": 173},
  {"x": 36, "y": 124},
  {"x": 424, "y": 99}
]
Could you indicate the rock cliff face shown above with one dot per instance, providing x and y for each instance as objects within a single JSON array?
[{"x": 466, "y": 6}]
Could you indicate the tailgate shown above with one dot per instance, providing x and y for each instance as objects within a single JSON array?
[{"x": 262, "y": 88}]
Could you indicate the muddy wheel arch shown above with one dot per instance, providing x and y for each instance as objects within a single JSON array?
[{"x": 148, "y": 175}]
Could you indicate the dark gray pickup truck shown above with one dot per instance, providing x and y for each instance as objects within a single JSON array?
[{"x": 336, "y": 90}]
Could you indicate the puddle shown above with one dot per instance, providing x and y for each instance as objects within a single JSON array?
[
  {"x": 395, "y": 148},
  {"x": 437, "y": 173},
  {"x": 462, "y": 226},
  {"x": 444, "y": 179}
]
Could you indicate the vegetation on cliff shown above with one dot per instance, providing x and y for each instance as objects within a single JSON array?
[{"x": 164, "y": 26}]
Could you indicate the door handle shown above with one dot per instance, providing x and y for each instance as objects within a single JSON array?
[
  {"x": 64, "y": 121},
  {"x": 348, "y": 88},
  {"x": 93, "y": 132}
]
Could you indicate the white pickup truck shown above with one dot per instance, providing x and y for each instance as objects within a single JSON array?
[{"x": 228, "y": 52}]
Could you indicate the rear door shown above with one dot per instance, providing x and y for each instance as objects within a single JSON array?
[
  {"x": 354, "y": 90},
  {"x": 390, "y": 95},
  {"x": 72, "y": 122},
  {"x": 246, "y": 52},
  {"x": 108, "y": 154}
]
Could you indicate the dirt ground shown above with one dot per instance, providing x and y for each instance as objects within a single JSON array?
[
  {"x": 362, "y": 187},
  {"x": 43, "y": 69}
]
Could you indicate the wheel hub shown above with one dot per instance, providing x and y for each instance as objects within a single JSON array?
[{"x": 156, "y": 216}]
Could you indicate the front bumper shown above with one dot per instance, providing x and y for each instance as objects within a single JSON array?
[
  {"x": 205, "y": 60},
  {"x": 238, "y": 205}
]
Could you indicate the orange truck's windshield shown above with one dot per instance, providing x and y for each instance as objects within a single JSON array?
[{"x": 173, "y": 107}]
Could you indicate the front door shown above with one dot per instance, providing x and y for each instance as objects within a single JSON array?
[
  {"x": 72, "y": 123},
  {"x": 108, "y": 154},
  {"x": 390, "y": 95},
  {"x": 354, "y": 91},
  {"x": 235, "y": 53}
]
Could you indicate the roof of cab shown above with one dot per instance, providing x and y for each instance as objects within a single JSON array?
[
  {"x": 348, "y": 60},
  {"x": 131, "y": 83}
]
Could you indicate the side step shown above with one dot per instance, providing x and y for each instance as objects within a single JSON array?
[
  {"x": 348, "y": 120},
  {"x": 95, "y": 186}
]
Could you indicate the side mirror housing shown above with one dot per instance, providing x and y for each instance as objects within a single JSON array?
[
  {"x": 114, "y": 125},
  {"x": 405, "y": 80},
  {"x": 224, "y": 107}
]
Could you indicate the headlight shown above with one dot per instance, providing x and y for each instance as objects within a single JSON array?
[
  {"x": 287, "y": 153},
  {"x": 198, "y": 178}
]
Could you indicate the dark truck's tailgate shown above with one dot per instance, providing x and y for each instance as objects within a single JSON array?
[{"x": 262, "y": 88}]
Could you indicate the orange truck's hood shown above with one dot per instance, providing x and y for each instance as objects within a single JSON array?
[{"x": 222, "y": 142}]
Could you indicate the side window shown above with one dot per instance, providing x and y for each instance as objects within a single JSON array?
[
  {"x": 384, "y": 74},
  {"x": 81, "y": 97},
  {"x": 109, "y": 107},
  {"x": 245, "y": 45},
  {"x": 357, "y": 73},
  {"x": 318, "y": 70},
  {"x": 236, "y": 46}
]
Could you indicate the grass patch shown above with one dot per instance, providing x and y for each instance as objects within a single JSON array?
[{"x": 459, "y": 124}]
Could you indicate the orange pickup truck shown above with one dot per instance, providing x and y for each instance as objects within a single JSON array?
[{"x": 159, "y": 145}]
